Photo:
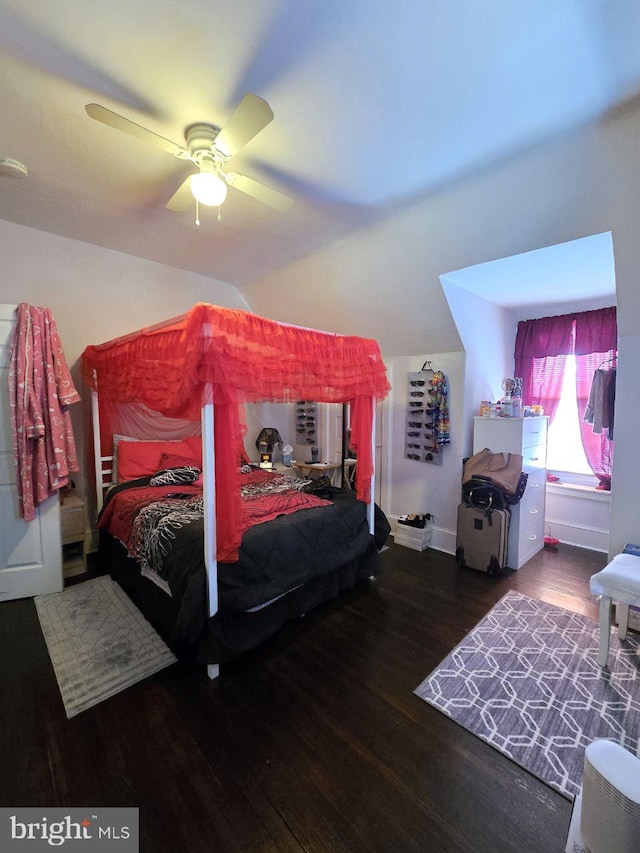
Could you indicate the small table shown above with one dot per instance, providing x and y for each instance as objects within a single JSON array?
[
  {"x": 349, "y": 472},
  {"x": 72, "y": 529},
  {"x": 330, "y": 468}
]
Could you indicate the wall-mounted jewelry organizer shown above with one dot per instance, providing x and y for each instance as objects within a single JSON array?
[
  {"x": 306, "y": 418},
  {"x": 427, "y": 422}
]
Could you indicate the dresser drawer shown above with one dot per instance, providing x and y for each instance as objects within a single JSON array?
[
  {"x": 72, "y": 519},
  {"x": 534, "y": 458},
  {"x": 533, "y": 500},
  {"x": 531, "y": 541},
  {"x": 534, "y": 431}
]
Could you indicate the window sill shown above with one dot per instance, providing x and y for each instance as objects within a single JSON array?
[{"x": 588, "y": 493}]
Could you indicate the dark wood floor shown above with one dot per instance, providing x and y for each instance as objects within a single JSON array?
[{"x": 313, "y": 742}]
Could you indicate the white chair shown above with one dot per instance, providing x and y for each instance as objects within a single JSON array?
[{"x": 619, "y": 581}]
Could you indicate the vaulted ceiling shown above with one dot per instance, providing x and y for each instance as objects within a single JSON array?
[{"x": 377, "y": 106}]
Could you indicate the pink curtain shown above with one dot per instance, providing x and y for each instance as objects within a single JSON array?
[
  {"x": 540, "y": 357},
  {"x": 543, "y": 337},
  {"x": 596, "y": 441},
  {"x": 596, "y": 331},
  {"x": 545, "y": 377},
  {"x": 596, "y": 347}
]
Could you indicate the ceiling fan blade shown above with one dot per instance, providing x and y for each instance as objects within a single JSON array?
[
  {"x": 259, "y": 191},
  {"x": 100, "y": 113},
  {"x": 182, "y": 197},
  {"x": 251, "y": 116}
]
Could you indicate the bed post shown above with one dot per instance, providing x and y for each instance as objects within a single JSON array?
[
  {"x": 209, "y": 494},
  {"x": 209, "y": 508},
  {"x": 371, "y": 507},
  {"x": 97, "y": 448}
]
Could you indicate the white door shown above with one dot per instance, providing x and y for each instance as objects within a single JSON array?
[{"x": 30, "y": 552}]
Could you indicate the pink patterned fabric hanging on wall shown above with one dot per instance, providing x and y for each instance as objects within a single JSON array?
[{"x": 40, "y": 392}]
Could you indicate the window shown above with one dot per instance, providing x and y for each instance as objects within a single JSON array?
[
  {"x": 567, "y": 365},
  {"x": 564, "y": 447}
]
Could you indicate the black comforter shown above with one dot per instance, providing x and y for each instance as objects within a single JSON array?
[{"x": 279, "y": 561}]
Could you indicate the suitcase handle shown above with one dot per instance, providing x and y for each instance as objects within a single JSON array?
[
  {"x": 490, "y": 497},
  {"x": 488, "y": 510}
]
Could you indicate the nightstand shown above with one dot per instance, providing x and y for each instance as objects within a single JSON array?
[
  {"x": 333, "y": 470},
  {"x": 72, "y": 522}
]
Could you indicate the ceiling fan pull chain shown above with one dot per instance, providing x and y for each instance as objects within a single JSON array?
[
  {"x": 197, "y": 213},
  {"x": 219, "y": 214}
]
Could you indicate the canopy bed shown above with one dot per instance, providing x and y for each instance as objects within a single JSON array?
[{"x": 262, "y": 562}]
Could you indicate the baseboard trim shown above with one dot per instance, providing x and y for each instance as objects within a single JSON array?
[
  {"x": 444, "y": 540},
  {"x": 591, "y": 538}
]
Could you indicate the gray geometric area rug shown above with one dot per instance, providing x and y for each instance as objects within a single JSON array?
[
  {"x": 98, "y": 641},
  {"x": 526, "y": 680}
]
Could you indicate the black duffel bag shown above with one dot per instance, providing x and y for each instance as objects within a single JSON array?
[
  {"x": 506, "y": 499},
  {"x": 481, "y": 493}
]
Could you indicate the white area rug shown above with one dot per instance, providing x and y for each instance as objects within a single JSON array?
[{"x": 98, "y": 641}]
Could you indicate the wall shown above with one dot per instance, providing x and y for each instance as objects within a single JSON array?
[
  {"x": 385, "y": 281},
  {"x": 423, "y": 487},
  {"x": 487, "y": 332},
  {"x": 578, "y": 515},
  {"x": 282, "y": 417},
  {"x": 625, "y": 515},
  {"x": 260, "y": 415},
  {"x": 95, "y": 294}
]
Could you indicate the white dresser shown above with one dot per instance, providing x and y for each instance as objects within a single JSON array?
[{"x": 527, "y": 436}]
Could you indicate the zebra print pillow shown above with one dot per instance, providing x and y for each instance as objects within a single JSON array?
[{"x": 175, "y": 476}]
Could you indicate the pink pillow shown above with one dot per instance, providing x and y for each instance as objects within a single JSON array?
[
  {"x": 173, "y": 460},
  {"x": 142, "y": 458}
]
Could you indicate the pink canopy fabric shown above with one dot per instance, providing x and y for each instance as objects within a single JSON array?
[{"x": 227, "y": 357}]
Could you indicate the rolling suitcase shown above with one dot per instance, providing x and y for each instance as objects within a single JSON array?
[{"x": 482, "y": 536}]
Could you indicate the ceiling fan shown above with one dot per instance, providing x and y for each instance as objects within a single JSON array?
[{"x": 209, "y": 148}]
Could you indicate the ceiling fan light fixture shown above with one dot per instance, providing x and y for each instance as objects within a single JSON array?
[
  {"x": 208, "y": 189},
  {"x": 10, "y": 168},
  {"x": 208, "y": 148}
]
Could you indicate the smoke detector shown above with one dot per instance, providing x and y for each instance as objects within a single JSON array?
[{"x": 12, "y": 168}]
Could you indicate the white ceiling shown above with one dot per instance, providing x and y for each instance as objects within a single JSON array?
[
  {"x": 577, "y": 271},
  {"x": 376, "y": 106}
]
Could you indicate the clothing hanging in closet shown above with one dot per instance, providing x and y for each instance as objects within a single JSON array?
[{"x": 600, "y": 407}]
